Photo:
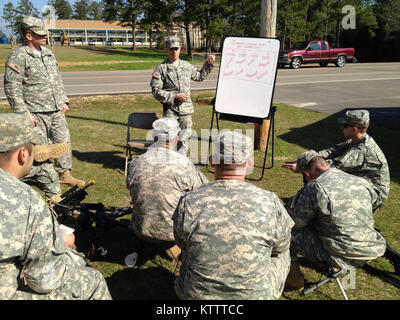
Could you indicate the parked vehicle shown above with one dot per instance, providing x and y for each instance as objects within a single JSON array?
[{"x": 315, "y": 52}]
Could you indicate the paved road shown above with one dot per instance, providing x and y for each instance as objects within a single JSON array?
[{"x": 325, "y": 90}]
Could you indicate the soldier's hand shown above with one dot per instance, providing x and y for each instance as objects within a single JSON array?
[
  {"x": 211, "y": 59},
  {"x": 69, "y": 239},
  {"x": 182, "y": 97},
  {"x": 65, "y": 109},
  {"x": 291, "y": 165}
]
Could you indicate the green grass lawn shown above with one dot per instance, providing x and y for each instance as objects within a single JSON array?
[
  {"x": 98, "y": 130},
  {"x": 102, "y": 58}
]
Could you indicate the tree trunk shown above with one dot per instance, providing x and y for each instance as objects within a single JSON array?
[
  {"x": 151, "y": 37},
  {"x": 188, "y": 41},
  {"x": 134, "y": 34},
  {"x": 338, "y": 33}
]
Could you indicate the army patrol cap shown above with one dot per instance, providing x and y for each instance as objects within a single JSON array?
[
  {"x": 355, "y": 117},
  {"x": 16, "y": 130},
  {"x": 305, "y": 158},
  {"x": 172, "y": 42},
  {"x": 232, "y": 147},
  {"x": 166, "y": 129},
  {"x": 34, "y": 24}
]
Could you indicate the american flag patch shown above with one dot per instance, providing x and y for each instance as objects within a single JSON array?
[
  {"x": 13, "y": 66},
  {"x": 156, "y": 75}
]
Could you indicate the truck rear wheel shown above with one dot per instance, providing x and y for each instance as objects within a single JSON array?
[
  {"x": 295, "y": 63},
  {"x": 340, "y": 61}
]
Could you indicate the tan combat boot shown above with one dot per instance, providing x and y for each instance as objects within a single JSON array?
[
  {"x": 67, "y": 179},
  {"x": 295, "y": 279},
  {"x": 174, "y": 252},
  {"x": 52, "y": 151}
]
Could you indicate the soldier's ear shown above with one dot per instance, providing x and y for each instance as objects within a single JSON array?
[
  {"x": 22, "y": 155},
  {"x": 249, "y": 163}
]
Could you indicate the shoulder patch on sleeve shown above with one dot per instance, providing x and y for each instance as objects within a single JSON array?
[
  {"x": 156, "y": 75},
  {"x": 13, "y": 66}
]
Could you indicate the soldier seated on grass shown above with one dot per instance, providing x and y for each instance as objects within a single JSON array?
[
  {"x": 234, "y": 236},
  {"x": 157, "y": 180},
  {"x": 333, "y": 215},
  {"x": 37, "y": 260}
]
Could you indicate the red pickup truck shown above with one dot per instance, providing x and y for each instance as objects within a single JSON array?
[{"x": 315, "y": 52}]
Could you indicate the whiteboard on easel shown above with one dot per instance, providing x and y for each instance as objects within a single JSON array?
[{"x": 247, "y": 76}]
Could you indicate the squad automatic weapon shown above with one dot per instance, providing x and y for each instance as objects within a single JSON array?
[{"x": 91, "y": 217}]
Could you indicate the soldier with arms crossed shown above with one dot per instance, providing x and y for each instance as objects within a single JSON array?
[
  {"x": 33, "y": 86},
  {"x": 234, "y": 236},
  {"x": 36, "y": 259}
]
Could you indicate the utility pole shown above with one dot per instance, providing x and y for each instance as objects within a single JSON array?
[{"x": 267, "y": 29}]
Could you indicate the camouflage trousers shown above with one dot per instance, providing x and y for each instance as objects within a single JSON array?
[
  {"x": 277, "y": 273},
  {"x": 45, "y": 177},
  {"x": 85, "y": 284},
  {"x": 307, "y": 242},
  {"x": 185, "y": 123},
  {"x": 54, "y": 128}
]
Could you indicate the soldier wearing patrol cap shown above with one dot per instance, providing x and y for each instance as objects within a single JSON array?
[
  {"x": 36, "y": 258},
  {"x": 170, "y": 85},
  {"x": 234, "y": 236},
  {"x": 333, "y": 215},
  {"x": 156, "y": 181},
  {"x": 33, "y": 86},
  {"x": 359, "y": 155}
]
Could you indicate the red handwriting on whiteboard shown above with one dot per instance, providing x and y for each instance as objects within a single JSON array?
[{"x": 254, "y": 65}]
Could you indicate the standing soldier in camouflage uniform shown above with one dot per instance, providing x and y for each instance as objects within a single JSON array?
[
  {"x": 334, "y": 221},
  {"x": 157, "y": 180},
  {"x": 359, "y": 155},
  {"x": 33, "y": 86},
  {"x": 170, "y": 85},
  {"x": 36, "y": 258},
  {"x": 234, "y": 236}
]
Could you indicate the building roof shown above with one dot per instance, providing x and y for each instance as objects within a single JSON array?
[{"x": 86, "y": 24}]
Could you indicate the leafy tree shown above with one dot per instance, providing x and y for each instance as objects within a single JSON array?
[
  {"x": 185, "y": 16},
  {"x": 63, "y": 9},
  {"x": 13, "y": 16},
  {"x": 81, "y": 10},
  {"x": 95, "y": 11},
  {"x": 126, "y": 12},
  {"x": 211, "y": 16},
  {"x": 157, "y": 14}
]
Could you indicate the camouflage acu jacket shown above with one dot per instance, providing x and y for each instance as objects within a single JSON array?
[
  {"x": 168, "y": 80},
  {"x": 338, "y": 206},
  {"x": 32, "y": 251},
  {"x": 364, "y": 159},
  {"x": 157, "y": 180},
  {"x": 229, "y": 230},
  {"x": 32, "y": 81}
]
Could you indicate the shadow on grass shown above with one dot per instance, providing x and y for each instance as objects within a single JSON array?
[
  {"x": 384, "y": 128},
  {"x": 99, "y": 120},
  {"x": 153, "y": 283},
  {"x": 109, "y": 159}
]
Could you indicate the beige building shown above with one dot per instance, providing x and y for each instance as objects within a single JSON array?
[
  {"x": 97, "y": 32},
  {"x": 84, "y": 32}
]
